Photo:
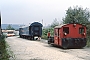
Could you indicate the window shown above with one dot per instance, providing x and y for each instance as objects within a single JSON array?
[
  {"x": 36, "y": 28},
  {"x": 10, "y": 32},
  {"x": 56, "y": 32},
  {"x": 81, "y": 30},
  {"x": 66, "y": 30}
]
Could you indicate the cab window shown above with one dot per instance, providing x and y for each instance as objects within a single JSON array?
[
  {"x": 66, "y": 30},
  {"x": 56, "y": 32},
  {"x": 81, "y": 30}
]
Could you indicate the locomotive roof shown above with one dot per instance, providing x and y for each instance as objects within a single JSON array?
[
  {"x": 36, "y": 23},
  {"x": 66, "y": 24},
  {"x": 60, "y": 26}
]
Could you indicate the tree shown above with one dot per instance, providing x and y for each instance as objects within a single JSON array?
[
  {"x": 54, "y": 23},
  {"x": 9, "y": 27},
  {"x": 50, "y": 28},
  {"x": 77, "y": 14}
]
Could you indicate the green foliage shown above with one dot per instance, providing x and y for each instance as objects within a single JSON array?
[
  {"x": 88, "y": 41},
  {"x": 44, "y": 33},
  {"x": 88, "y": 34},
  {"x": 5, "y": 54},
  {"x": 54, "y": 23},
  {"x": 49, "y": 28},
  {"x": 9, "y": 27},
  {"x": 88, "y": 29},
  {"x": 77, "y": 14}
]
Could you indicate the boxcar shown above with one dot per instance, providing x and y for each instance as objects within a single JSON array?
[
  {"x": 29, "y": 32},
  {"x": 69, "y": 36}
]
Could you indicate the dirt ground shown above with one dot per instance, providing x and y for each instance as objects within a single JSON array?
[{"x": 37, "y": 50}]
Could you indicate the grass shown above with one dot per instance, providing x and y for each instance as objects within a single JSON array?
[
  {"x": 88, "y": 41},
  {"x": 5, "y": 53}
]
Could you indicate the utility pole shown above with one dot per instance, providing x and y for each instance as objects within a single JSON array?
[{"x": 0, "y": 25}]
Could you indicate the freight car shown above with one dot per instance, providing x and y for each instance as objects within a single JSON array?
[
  {"x": 69, "y": 36},
  {"x": 32, "y": 31}
]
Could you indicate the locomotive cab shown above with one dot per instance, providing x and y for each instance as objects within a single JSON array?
[{"x": 70, "y": 36}]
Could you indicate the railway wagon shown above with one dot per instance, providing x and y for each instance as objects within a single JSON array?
[
  {"x": 69, "y": 36},
  {"x": 32, "y": 31}
]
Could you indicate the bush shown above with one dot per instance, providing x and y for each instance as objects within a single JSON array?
[
  {"x": 44, "y": 37},
  {"x": 88, "y": 41},
  {"x": 4, "y": 52}
]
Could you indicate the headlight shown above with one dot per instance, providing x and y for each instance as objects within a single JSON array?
[
  {"x": 83, "y": 33},
  {"x": 65, "y": 34}
]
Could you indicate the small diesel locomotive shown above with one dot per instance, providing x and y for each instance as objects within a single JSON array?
[
  {"x": 69, "y": 36},
  {"x": 32, "y": 31}
]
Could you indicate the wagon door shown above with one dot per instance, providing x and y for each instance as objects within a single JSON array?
[
  {"x": 56, "y": 36},
  {"x": 36, "y": 30}
]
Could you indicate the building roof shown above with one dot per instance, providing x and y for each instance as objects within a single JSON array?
[{"x": 8, "y": 30}]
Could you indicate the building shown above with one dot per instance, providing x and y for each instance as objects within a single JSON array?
[{"x": 8, "y": 32}]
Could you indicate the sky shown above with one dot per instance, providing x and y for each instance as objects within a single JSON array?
[{"x": 43, "y": 11}]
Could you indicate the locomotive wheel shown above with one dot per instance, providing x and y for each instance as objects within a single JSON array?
[
  {"x": 32, "y": 38},
  {"x": 48, "y": 42},
  {"x": 65, "y": 46},
  {"x": 35, "y": 39}
]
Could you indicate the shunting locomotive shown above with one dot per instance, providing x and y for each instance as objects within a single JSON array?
[{"x": 71, "y": 35}]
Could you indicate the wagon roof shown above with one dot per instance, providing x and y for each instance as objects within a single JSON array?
[
  {"x": 36, "y": 23},
  {"x": 24, "y": 26},
  {"x": 60, "y": 26}
]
